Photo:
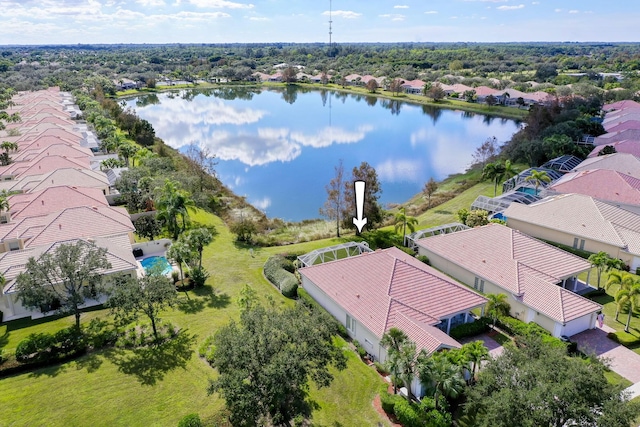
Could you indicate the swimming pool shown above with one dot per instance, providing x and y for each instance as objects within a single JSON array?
[{"x": 150, "y": 262}]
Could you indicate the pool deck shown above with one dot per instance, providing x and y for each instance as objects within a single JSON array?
[{"x": 141, "y": 272}]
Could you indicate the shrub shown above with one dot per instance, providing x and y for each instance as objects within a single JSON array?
[
  {"x": 175, "y": 276},
  {"x": 3, "y": 357},
  {"x": 407, "y": 414},
  {"x": 381, "y": 368},
  {"x": 36, "y": 348},
  {"x": 359, "y": 349},
  {"x": 388, "y": 401},
  {"x": 99, "y": 333},
  {"x": 69, "y": 341},
  {"x": 199, "y": 276},
  {"x": 516, "y": 327},
  {"x": 470, "y": 329},
  {"x": 435, "y": 418},
  {"x": 313, "y": 305},
  {"x": 276, "y": 270},
  {"x": 191, "y": 420},
  {"x": 423, "y": 258}
]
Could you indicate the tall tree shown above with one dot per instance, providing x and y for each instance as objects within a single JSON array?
[
  {"x": 181, "y": 253},
  {"x": 203, "y": 162},
  {"x": 265, "y": 362},
  {"x": 289, "y": 75},
  {"x": 147, "y": 226},
  {"x": 538, "y": 385},
  {"x": 538, "y": 177},
  {"x": 601, "y": 263},
  {"x": 436, "y": 93},
  {"x": 486, "y": 151},
  {"x": 402, "y": 220},
  {"x": 494, "y": 172},
  {"x": 392, "y": 341},
  {"x": 334, "y": 205},
  {"x": 396, "y": 86},
  {"x": 198, "y": 238},
  {"x": 173, "y": 207},
  {"x": 429, "y": 188},
  {"x": 372, "y": 210},
  {"x": 629, "y": 297},
  {"x": 149, "y": 295},
  {"x": 475, "y": 352},
  {"x": 66, "y": 276},
  {"x": 497, "y": 306},
  {"x": 372, "y": 86}
]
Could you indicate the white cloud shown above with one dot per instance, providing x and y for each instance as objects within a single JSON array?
[
  {"x": 393, "y": 16},
  {"x": 259, "y": 18},
  {"x": 535, "y": 2},
  {"x": 490, "y": 1},
  {"x": 348, "y": 14},
  {"x": 153, "y": 3},
  {"x": 558, "y": 10},
  {"x": 220, "y": 4},
  {"x": 261, "y": 204},
  {"x": 574, "y": 11},
  {"x": 401, "y": 6},
  {"x": 520, "y": 6},
  {"x": 400, "y": 170},
  {"x": 431, "y": 12}
]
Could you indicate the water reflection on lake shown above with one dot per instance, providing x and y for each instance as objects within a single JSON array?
[{"x": 278, "y": 147}]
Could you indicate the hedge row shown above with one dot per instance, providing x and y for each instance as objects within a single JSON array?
[
  {"x": 45, "y": 348},
  {"x": 279, "y": 271},
  {"x": 413, "y": 414},
  {"x": 518, "y": 328},
  {"x": 480, "y": 326}
]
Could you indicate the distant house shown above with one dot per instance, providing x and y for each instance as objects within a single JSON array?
[
  {"x": 126, "y": 84},
  {"x": 581, "y": 222},
  {"x": 373, "y": 292},
  {"x": 629, "y": 146},
  {"x": 621, "y": 105},
  {"x": 261, "y": 77},
  {"x": 414, "y": 87},
  {"x": 539, "y": 280},
  {"x": 353, "y": 79},
  {"x": 624, "y": 163},
  {"x": 277, "y": 77},
  {"x": 603, "y": 184},
  {"x": 609, "y": 138}
]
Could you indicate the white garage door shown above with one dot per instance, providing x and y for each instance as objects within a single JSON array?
[{"x": 576, "y": 326}]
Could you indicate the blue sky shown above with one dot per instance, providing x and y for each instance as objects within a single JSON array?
[{"x": 227, "y": 21}]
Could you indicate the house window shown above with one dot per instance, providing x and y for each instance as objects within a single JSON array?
[
  {"x": 351, "y": 324},
  {"x": 14, "y": 245},
  {"x": 478, "y": 284},
  {"x": 4, "y": 219},
  {"x": 578, "y": 243}
]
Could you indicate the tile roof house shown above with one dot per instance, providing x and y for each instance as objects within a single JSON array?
[
  {"x": 118, "y": 254},
  {"x": 603, "y": 184},
  {"x": 624, "y": 163},
  {"x": 535, "y": 276},
  {"x": 53, "y": 199},
  {"x": 621, "y": 105},
  {"x": 373, "y": 292},
  {"x": 68, "y": 223},
  {"x": 581, "y": 222},
  {"x": 629, "y": 146},
  {"x": 62, "y": 149},
  {"x": 624, "y": 125},
  {"x": 67, "y": 176},
  {"x": 41, "y": 165},
  {"x": 609, "y": 138}
]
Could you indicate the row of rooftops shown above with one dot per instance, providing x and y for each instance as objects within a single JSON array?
[{"x": 60, "y": 193}]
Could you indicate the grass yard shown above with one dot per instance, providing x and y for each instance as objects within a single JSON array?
[{"x": 157, "y": 388}]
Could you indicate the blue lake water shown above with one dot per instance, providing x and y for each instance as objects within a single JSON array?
[{"x": 279, "y": 147}]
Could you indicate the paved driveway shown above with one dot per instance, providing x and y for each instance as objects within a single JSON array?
[{"x": 622, "y": 360}]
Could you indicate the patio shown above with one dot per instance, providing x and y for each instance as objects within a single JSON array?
[{"x": 576, "y": 286}]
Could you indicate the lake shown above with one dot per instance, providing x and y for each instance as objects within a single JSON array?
[{"x": 279, "y": 147}]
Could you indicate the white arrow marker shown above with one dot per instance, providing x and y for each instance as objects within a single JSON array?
[{"x": 359, "y": 222}]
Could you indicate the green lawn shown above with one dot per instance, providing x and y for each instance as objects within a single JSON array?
[{"x": 157, "y": 388}]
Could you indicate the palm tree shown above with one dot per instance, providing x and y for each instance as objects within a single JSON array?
[
  {"x": 620, "y": 278},
  {"x": 475, "y": 352},
  {"x": 197, "y": 239},
  {"x": 497, "y": 306},
  {"x": 4, "y": 200},
  {"x": 9, "y": 146},
  {"x": 173, "y": 204},
  {"x": 538, "y": 177},
  {"x": 445, "y": 377},
  {"x": 628, "y": 297},
  {"x": 393, "y": 340},
  {"x": 601, "y": 262},
  {"x": 180, "y": 253},
  {"x": 509, "y": 170},
  {"x": 404, "y": 221},
  {"x": 494, "y": 172},
  {"x": 406, "y": 361},
  {"x": 127, "y": 150}
]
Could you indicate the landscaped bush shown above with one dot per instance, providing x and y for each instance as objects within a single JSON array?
[
  {"x": 388, "y": 400},
  {"x": 45, "y": 348},
  {"x": 100, "y": 333},
  {"x": 513, "y": 326},
  {"x": 311, "y": 304},
  {"x": 423, "y": 258},
  {"x": 191, "y": 420},
  {"x": 206, "y": 349},
  {"x": 480, "y": 326},
  {"x": 199, "y": 276},
  {"x": 278, "y": 270},
  {"x": 408, "y": 415},
  {"x": 142, "y": 335},
  {"x": 381, "y": 368}
]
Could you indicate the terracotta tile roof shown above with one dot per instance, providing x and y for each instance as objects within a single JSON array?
[
  {"x": 620, "y": 105},
  {"x": 119, "y": 255},
  {"x": 624, "y": 125},
  {"x": 602, "y": 184},
  {"x": 42, "y": 165},
  {"x": 418, "y": 84},
  {"x": 54, "y": 199},
  {"x": 624, "y": 163},
  {"x": 425, "y": 336},
  {"x": 381, "y": 287},
  {"x": 60, "y": 148},
  {"x": 629, "y": 146},
  {"x": 608, "y": 138},
  {"x": 581, "y": 216},
  {"x": 69, "y": 223},
  {"x": 485, "y": 91},
  {"x": 515, "y": 262}
]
